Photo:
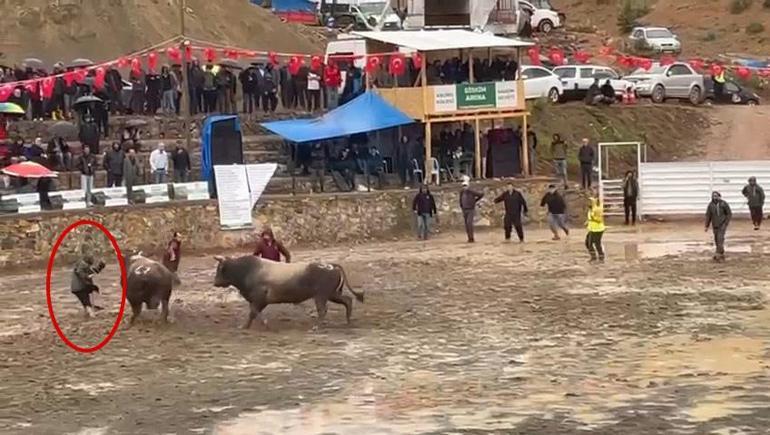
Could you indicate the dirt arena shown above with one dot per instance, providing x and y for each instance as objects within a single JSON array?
[{"x": 490, "y": 338}]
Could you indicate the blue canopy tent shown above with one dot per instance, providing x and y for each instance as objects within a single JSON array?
[
  {"x": 221, "y": 144},
  {"x": 207, "y": 135},
  {"x": 367, "y": 112}
]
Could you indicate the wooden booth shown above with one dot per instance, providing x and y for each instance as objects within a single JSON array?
[{"x": 471, "y": 102}]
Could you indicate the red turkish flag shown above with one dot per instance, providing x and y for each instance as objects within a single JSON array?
[
  {"x": 743, "y": 72},
  {"x": 417, "y": 60},
  {"x": 123, "y": 62},
  {"x": 644, "y": 63},
  {"x": 136, "y": 65},
  {"x": 582, "y": 56},
  {"x": 556, "y": 56},
  {"x": 152, "y": 61},
  {"x": 397, "y": 65},
  {"x": 716, "y": 69},
  {"x": 231, "y": 54},
  {"x": 80, "y": 75},
  {"x": 5, "y": 92},
  {"x": 315, "y": 63},
  {"x": 99, "y": 77},
  {"x": 174, "y": 55},
  {"x": 372, "y": 63},
  {"x": 209, "y": 54},
  {"x": 294, "y": 65},
  {"x": 48, "y": 83},
  {"x": 667, "y": 60},
  {"x": 272, "y": 57},
  {"x": 69, "y": 78},
  {"x": 696, "y": 64},
  {"x": 188, "y": 54},
  {"x": 534, "y": 55}
]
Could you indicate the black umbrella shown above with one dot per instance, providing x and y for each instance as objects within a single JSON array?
[
  {"x": 136, "y": 122},
  {"x": 230, "y": 63},
  {"x": 33, "y": 62},
  {"x": 64, "y": 130},
  {"x": 86, "y": 100},
  {"x": 81, "y": 63}
]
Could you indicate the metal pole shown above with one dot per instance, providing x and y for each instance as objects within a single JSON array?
[{"x": 185, "y": 100}]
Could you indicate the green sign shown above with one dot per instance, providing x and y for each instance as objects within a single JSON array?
[{"x": 476, "y": 96}]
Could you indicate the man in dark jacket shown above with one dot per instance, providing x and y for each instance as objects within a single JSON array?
[
  {"x": 113, "y": 164},
  {"x": 468, "y": 200},
  {"x": 82, "y": 283},
  {"x": 586, "y": 158},
  {"x": 182, "y": 164},
  {"x": 86, "y": 164},
  {"x": 718, "y": 215},
  {"x": 557, "y": 211},
  {"x": 114, "y": 85},
  {"x": 130, "y": 174},
  {"x": 755, "y": 196},
  {"x": 630, "y": 197},
  {"x": 515, "y": 206},
  {"x": 424, "y": 207},
  {"x": 250, "y": 88}
]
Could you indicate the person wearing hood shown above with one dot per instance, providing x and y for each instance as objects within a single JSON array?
[
  {"x": 630, "y": 197},
  {"x": 755, "y": 196},
  {"x": 468, "y": 200},
  {"x": 595, "y": 226},
  {"x": 269, "y": 248},
  {"x": 718, "y": 216},
  {"x": 424, "y": 207},
  {"x": 515, "y": 207}
]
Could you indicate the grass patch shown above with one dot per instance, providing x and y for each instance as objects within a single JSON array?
[
  {"x": 739, "y": 6},
  {"x": 755, "y": 28}
]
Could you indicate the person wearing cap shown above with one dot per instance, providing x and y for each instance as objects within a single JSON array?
[
  {"x": 468, "y": 200},
  {"x": 595, "y": 226},
  {"x": 755, "y": 196},
  {"x": 718, "y": 215}
]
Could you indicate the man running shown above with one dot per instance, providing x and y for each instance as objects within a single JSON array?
[
  {"x": 557, "y": 211},
  {"x": 718, "y": 215},
  {"x": 82, "y": 284}
]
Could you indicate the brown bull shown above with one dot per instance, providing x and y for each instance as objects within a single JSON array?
[
  {"x": 150, "y": 283},
  {"x": 264, "y": 282}
]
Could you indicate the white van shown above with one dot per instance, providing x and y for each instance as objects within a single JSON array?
[{"x": 354, "y": 46}]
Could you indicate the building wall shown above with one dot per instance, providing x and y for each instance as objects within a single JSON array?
[{"x": 303, "y": 220}]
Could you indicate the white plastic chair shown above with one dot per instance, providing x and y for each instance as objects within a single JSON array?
[
  {"x": 435, "y": 171},
  {"x": 417, "y": 170}
]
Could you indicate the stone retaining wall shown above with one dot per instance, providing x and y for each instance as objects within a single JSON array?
[{"x": 302, "y": 220}]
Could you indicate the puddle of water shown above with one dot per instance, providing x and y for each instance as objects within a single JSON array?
[
  {"x": 720, "y": 406},
  {"x": 636, "y": 251}
]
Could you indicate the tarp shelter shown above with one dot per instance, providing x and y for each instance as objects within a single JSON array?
[
  {"x": 443, "y": 39},
  {"x": 221, "y": 143},
  {"x": 367, "y": 112}
]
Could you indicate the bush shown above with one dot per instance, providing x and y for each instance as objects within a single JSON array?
[
  {"x": 739, "y": 6},
  {"x": 754, "y": 28},
  {"x": 766, "y": 4},
  {"x": 630, "y": 12}
]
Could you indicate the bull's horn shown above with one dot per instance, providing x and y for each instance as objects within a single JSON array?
[{"x": 219, "y": 258}]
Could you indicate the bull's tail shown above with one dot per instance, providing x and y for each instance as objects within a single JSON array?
[{"x": 345, "y": 283}]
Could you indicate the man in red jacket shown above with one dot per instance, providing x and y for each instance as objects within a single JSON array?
[{"x": 332, "y": 81}]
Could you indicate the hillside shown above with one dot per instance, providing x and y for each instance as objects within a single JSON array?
[
  {"x": 106, "y": 29},
  {"x": 706, "y": 28}
]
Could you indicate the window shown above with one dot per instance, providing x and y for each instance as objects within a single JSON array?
[
  {"x": 565, "y": 73},
  {"x": 638, "y": 34},
  {"x": 659, "y": 33},
  {"x": 605, "y": 74},
  {"x": 679, "y": 70},
  {"x": 535, "y": 73},
  {"x": 586, "y": 73}
]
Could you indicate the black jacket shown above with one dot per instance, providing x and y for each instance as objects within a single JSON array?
[
  {"x": 86, "y": 164},
  {"x": 181, "y": 160},
  {"x": 515, "y": 204},
  {"x": 630, "y": 188},
  {"x": 755, "y": 196},
  {"x": 555, "y": 203},
  {"x": 113, "y": 161},
  {"x": 718, "y": 214},
  {"x": 424, "y": 204},
  {"x": 586, "y": 155}
]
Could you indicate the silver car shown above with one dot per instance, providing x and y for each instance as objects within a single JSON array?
[
  {"x": 657, "y": 39},
  {"x": 675, "y": 81}
]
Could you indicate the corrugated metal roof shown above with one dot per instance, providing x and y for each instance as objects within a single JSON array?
[{"x": 447, "y": 39}]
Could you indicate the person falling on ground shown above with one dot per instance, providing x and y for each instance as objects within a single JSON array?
[
  {"x": 173, "y": 253},
  {"x": 424, "y": 206},
  {"x": 557, "y": 211},
  {"x": 515, "y": 207},
  {"x": 630, "y": 196},
  {"x": 755, "y": 196},
  {"x": 718, "y": 216},
  {"x": 468, "y": 200},
  {"x": 82, "y": 284},
  {"x": 595, "y": 226},
  {"x": 269, "y": 248}
]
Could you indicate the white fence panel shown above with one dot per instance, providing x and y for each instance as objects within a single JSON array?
[{"x": 685, "y": 187}]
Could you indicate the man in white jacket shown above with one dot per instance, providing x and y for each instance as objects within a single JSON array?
[{"x": 159, "y": 164}]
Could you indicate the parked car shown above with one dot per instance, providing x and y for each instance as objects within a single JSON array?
[
  {"x": 363, "y": 15},
  {"x": 576, "y": 79},
  {"x": 546, "y": 4},
  {"x": 541, "y": 83},
  {"x": 657, "y": 39},
  {"x": 543, "y": 20},
  {"x": 733, "y": 93},
  {"x": 662, "y": 82}
]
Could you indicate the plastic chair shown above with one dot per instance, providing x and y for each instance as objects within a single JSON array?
[
  {"x": 435, "y": 170},
  {"x": 417, "y": 170}
]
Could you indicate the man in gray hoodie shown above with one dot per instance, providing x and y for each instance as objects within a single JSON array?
[
  {"x": 468, "y": 200},
  {"x": 718, "y": 215}
]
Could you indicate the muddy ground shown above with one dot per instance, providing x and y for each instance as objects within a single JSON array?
[{"x": 490, "y": 338}]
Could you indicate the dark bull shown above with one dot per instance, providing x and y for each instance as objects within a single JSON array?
[
  {"x": 264, "y": 282},
  {"x": 149, "y": 283}
]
